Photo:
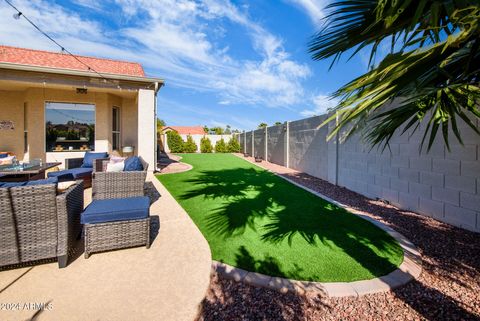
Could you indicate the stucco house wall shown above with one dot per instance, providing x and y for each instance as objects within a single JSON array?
[{"x": 34, "y": 99}]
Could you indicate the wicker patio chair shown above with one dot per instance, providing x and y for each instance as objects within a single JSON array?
[
  {"x": 117, "y": 234},
  {"x": 36, "y": 223},
  {"x": 107, "y": 185}
]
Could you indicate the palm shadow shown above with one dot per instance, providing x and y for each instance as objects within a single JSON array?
[{"x": 278, "y": 211}]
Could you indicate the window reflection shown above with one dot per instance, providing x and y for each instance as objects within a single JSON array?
[{"x": 69, "y": 127}]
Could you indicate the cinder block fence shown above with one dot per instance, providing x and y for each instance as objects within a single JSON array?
[{"x": 442, "y": 184}]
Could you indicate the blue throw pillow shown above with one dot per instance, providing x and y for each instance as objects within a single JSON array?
[
  {"x": 89, "y": 158},
  {"x": 133, "y": 164},
  {"x": 50, "y": 180},
  {"x": 12, "y": 184},
  {"x": 3, "y": 155}
]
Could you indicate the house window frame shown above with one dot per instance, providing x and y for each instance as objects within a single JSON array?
[
  {"x": 46, "y": 102},
  {"x": 118, "y": 130}
]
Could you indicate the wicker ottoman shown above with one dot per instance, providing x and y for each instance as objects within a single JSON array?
[{"x": 116, "y": 223}]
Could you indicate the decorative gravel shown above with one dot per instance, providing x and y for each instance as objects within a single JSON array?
[{"x": 448, "y": 289}]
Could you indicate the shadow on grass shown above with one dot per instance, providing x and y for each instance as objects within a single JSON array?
[
  {"x": 281, "y": 213},
  {"x": 268, "y": 266}
]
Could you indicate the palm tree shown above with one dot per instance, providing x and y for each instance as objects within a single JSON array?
[{"x": 433, "y": 66}]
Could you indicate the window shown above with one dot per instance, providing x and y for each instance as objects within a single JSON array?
[
  {"x": 69, "y": 127},
  {"x": 115, "y": 128},
  {"x": 25, "y": 128}
]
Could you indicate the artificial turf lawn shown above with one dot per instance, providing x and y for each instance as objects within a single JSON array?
[{"x": 257, "y": 221}]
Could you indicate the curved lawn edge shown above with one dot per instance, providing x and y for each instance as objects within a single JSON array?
[
  {"x": 259, "y": 279},
  {"x": 178, "y": 159},
  {"x": 410, "y": 269}
]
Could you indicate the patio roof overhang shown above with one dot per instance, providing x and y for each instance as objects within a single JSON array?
[{"x": 76, "y": 78}]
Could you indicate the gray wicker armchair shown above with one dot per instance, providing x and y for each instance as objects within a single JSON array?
[
  {"x": 36, "y": 223},
  {"x": 108, "y": 185}
]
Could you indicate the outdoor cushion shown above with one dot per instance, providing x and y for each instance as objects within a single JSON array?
[
  {"x": 3, "y": 155},
  {"x": 119, "y": 209},
  {"x": 115, "y": 167},
  {"x": 12, "y": 184},
  {"x": 71, "y": 174},
  {"x": 50, "y": 180},
  {"x": 8, "y": 160},
  {"x": 89, "y": 158},
  {"x": 116, "y": 159},
  {"x": 133, "y": 164}
]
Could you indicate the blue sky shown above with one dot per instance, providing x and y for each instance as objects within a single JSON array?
[{"x": 224, "y": 62}]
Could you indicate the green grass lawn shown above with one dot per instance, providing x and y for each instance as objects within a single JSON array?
[{"x": 259, "y": 222}]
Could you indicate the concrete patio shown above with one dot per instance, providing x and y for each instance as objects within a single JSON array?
[{"x": 166, "y": 282}]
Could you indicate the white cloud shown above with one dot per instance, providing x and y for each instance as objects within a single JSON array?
[
  {"x": 321, "y": 104},
  {"x": 313, "y": 8},
  {"x": 173, "y": 39},
  {"x": 92, "y": 4}
]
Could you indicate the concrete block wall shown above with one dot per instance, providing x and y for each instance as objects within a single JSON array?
[
  {"x": 249, "y": 145},
  {"x": 241, "y": 141},
  {"x": 442, "y": 184},
  {"x": 308, "y": 146},
  {"x": 276, "y": 144},
  {"x": 259, "y": 143}
]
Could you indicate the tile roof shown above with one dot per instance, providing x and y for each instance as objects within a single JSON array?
[
  {"x": 186, "y": 130},
  {"x": 64, "y": 61}
]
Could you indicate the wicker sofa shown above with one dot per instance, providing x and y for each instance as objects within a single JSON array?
[
  {"x": 74, "y": 170},
  {"x": 38, "y": 223}
]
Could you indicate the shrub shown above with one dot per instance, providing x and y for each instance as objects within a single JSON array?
[
  {"x": 189, "y": 146},
  {"x": 175, "y": 142},
  {"x": 220, "y": 146},
  {"x": 233, "y": 145},
  {"x": 206, "y": 145}
]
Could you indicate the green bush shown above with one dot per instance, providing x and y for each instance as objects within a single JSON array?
[
  {"x": 220, "y": 146},
  {"x": 206, "y": 145},
  {"x": 175, "y": 142},
  {"x": 233, "y": 145},
  {"x": 189, "y": 146}
]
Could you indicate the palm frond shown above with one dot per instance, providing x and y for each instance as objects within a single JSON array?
[{"x": 435, "y": 70}]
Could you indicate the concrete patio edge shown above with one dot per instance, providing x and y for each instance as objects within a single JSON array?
[{"x": 410, "y": 269}]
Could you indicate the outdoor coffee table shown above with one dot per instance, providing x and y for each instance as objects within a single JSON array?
[{"x": 24, "y": 172}]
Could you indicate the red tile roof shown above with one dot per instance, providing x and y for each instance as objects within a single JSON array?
[
  {"x": 186, "y": 130},
  {"x": 65, "y": 61}
]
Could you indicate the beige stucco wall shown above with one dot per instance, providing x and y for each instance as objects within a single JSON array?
[
  {"x": 11, "y": 108},
  {"x": 129, "y": 125}
]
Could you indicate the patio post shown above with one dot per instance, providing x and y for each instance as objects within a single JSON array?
[{"x": 146, "y": 126}]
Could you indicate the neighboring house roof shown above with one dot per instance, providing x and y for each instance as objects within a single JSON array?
[
  {"x": 42, "y": 58},
  {"x": 185, "y": 130}
]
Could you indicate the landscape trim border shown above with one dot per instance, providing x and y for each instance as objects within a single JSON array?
[{"x": 410, "y": 269}]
